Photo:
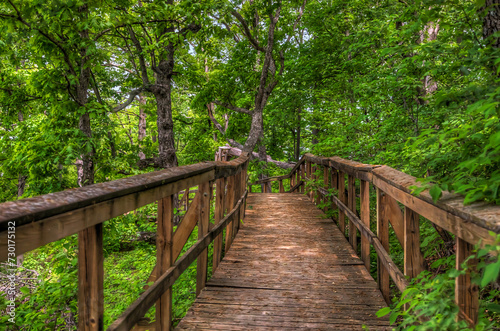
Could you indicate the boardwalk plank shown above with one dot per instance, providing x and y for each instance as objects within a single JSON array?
[{"x": 288, "y": 268}]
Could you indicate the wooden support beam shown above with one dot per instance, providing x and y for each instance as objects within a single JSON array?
[
  {"x": 282, "y": 189},
  {"x": 396, "y": 217},
  {"x": 413, "y": 259},
  {"x": 186, "y": 194},
  {"x": 308, "y": 172},
  {"x": 297, "y": 186},
  {"x": 218, "y": 216},
  {"x": 203, "y": 222},
  {"x": 326, "y": 179},
  {"x": 164, "y": 260},
  {"x": 343, "y": 199},
  {"x": 230, "y": 196},
  {"x": 243, "y": 184},
  {"x": 351, "y": 197},
  {"x": 466, "y": 293},
  {"x": 302, "y": 177},
  {"x": 318, "y": 196},
  {"x": 243, "y": 207},
  {"x": 365, "y": 218},
  {"x": 334, "y": 183},
  {"x": 237, "y": 193},
  {"x": 383, "y": 235},
  {"x": 90, "y": 279}
]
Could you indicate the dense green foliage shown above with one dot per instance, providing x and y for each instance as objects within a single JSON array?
[{"x": 411, "y": 84}]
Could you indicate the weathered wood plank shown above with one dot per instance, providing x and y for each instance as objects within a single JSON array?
[
  {"x": 365, "y": 218},
  {"x": 326, "y": 179},
  {"x": 289, "y": 268},
  {"x": 343, "y": 199},
  {"x": 413, "y": 259},
  {"x": 36, "y": 234},
  {"x": 466, "y": 293},
  {"x": 351, "y": 197},
  {"x": 218, "y": 216},
  {"x": 470, "y": 223},
  {"x": 203, "y": 222},
  {"x": 383, "y": 236},
  {"x": 230, "y": 197},
  {"x": 90, "y": 279},
  {"x": 164, "y": 260}
]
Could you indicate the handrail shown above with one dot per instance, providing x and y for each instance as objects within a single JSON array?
[
  {"x": 483, "y": 216},
  {"x": 470, "y": 224},
  {"x": 70, "y": 211},
  {"x": 50, "y": 217}
]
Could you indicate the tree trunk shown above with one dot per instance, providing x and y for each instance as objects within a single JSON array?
[
  {"x": 297, "y": 130},
  {"x": 491, "y": 21},
  {"x": 142, "y": 124},
  {"x": 163, "y": 94}
]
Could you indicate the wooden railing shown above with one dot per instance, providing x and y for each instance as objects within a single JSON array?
[
  {"x": 44, "y": 219},
  {"x": 470, "y": 224}
]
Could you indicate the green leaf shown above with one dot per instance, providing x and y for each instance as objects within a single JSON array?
[
  {"x": 491, "y": 273},
  {"x": 384, "y": 311},
  {"x": 435, "y": 192},
  {"x": 493, "y": 307},
  {"x": 393, "y": 318}
]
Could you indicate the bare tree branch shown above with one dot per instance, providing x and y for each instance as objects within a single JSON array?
[
  {"x": 247, "y": 32},
  {"x": 234, "y": 108},
  {"x": 130, "y": 99},
  {"x": 142, "y": 62},
  {"x": 301, "y": 12},
  {"x": 236, "y": 151}
]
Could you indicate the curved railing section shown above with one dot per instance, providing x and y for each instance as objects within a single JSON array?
[
  {"x": 470, "y": 224},
  {"x": 47, "y": 218}
]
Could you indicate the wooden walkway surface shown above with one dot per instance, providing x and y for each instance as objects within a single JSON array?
[{"x": 288, "y": 268}]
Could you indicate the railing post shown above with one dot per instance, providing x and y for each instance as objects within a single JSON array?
[
  {"x": 413, "y": 263},
  {"x": 383, "y": 236},
  {"x": 244, "y": 176},
  {"x": 351, "y": 204},
  {"x": 342, "y": 198},
  {"x": 365, "y": 218},
  {"x": 203, "y": 222},
  {"x": 187, "y": 198},
  {"x": 229, "y": 206},
  {"x": 318, "y": 197},
  {"x": 466, "y": 293},
  {"x": 218, "y": 216},
  {"x": 308, "y": 175},
  {"x": 164, "y": 245},
  {"x": 237, "y": 193},
  {"x": 301, "y": 177},
  {"x": 334, "y": 183},
  {"x": 282, "y": 189},
  {"x": 313, "y": 179},
  {"x": 326, "y": 178},
  {"x": 90, "y": 279}
]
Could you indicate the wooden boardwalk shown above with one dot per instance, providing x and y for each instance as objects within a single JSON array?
[{"x": 288, "y": 268}]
